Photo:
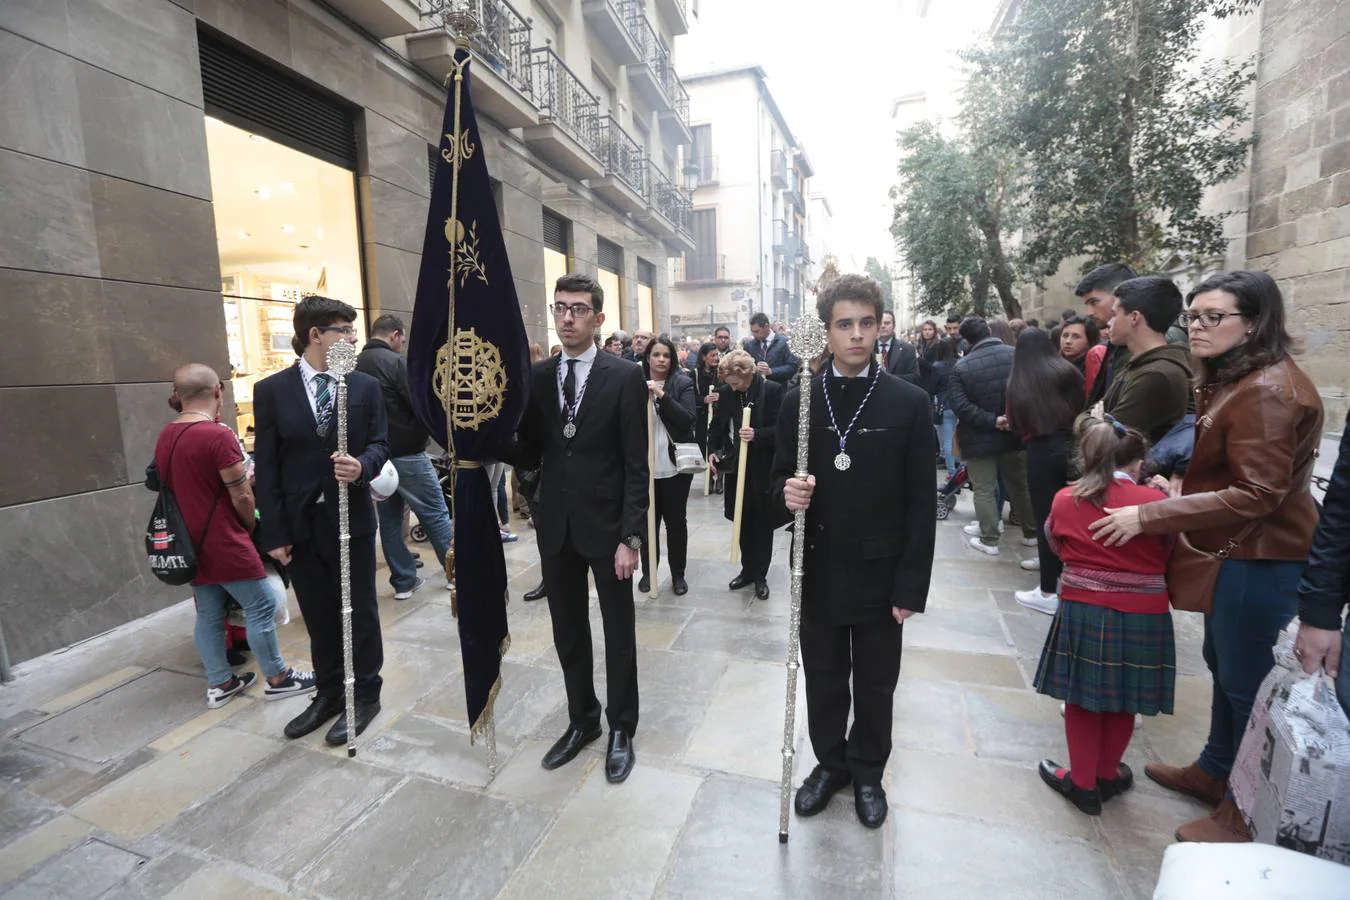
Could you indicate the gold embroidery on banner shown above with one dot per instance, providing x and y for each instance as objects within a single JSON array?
[
  {"x": 471, "y": 370},
  {"x": 455, "y": 152},
  {"x": 464, "y": 257}
]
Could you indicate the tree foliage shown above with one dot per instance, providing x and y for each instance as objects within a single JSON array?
[
  {"x": 1119, "y": 127},
  {"x": 882, "y": 276}
]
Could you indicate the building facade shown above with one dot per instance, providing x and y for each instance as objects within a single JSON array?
[
  {"x": 750, "y": 181},
  {"x": 176, "y": 174}
]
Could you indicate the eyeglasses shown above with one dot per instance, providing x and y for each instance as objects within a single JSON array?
[
  {"x": 344, "y": 330},
  {"x": 578, "y": 310},
  {"x": 1206, "y": 319}
]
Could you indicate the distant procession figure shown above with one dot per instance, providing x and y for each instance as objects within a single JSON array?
[{"x": 871, "y": 527}]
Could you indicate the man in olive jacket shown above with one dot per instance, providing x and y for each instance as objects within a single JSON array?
[{"x": 1152, "y": 391}]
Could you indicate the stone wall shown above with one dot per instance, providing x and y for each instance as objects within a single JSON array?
[
  {"x": 109, "y": 274},
  {"x": 1299, "y": 221}
]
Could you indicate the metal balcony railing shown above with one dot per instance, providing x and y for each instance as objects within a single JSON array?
[
  {"x": 701, "y": 267},
  {"x": 676, "y": 93},
  {"x": 622, "y": 155},
  {"x": 670, "y": 200},
  {"x": 503, "y": 41},
  {"x": 781, "y": 298},
  {"x": 561, "y": 96},
  {"x": 778, "y": 168},
  {"x": 655, "y": 53}
]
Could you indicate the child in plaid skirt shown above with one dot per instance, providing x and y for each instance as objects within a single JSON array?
[{"x": 1109, "y": 653}]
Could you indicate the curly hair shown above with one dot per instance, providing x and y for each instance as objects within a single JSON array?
[
  {"x": 858, "y": 288},
  {"x": 737, "y": 362}
]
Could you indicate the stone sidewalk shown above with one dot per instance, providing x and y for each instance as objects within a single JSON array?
[{"x": 118, "y": 783}]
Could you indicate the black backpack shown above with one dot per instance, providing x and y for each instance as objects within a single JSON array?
[{"x": 168, "y": 546}]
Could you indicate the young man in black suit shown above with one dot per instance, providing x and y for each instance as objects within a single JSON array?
[
  {"x": 897, "y": 356},
  {"x": 298, "y": 469},
  {"x": 770, "y": 351},
  {"x": 871, "y": 525},
  {"x": 586, "y": 428}
]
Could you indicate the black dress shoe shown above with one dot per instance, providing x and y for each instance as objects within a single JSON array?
[
  {"x": 1088, "y": 800},
  {"x": 869, "y": 800},
  {"x": 539, "y": 593},
  {"x": 679, "y": 585},
  {"x": 235, "y": 658},
  {"x": 619, "y": 757},
  {"x": 566, "y": 748},
  {"x": 644, "y": 584},
  {"x": 740, "y": 581},
  {"x": 815, "y": 793},
  {"x": 320, "y": 710},
  {"x": 1114, "y": 787},
  {"x": 761, "y": 589},
  {"x": 365, "y": 711}
]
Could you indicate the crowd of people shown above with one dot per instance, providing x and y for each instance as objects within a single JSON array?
[{"x": 1145, "y": 424}]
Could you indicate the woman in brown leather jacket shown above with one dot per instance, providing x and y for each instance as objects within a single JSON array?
[{"x": 1258, "y": 426}]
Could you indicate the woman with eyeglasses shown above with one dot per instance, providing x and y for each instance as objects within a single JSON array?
[
  {"x": 672, "y": 393},
  {"x": 1245, "y": 497}
]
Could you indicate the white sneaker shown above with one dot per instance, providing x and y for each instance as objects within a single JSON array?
[
  {"x": 1042, "y": 603},
  {"x": 973, "y": 529},
  {"x": 407, "y": 595},
  {"x": 218, "y": 697},
  {"x": 1029, "y": 542},
  {"x": 990, "y": 549},
  {"x": 1031, "y": 565}
]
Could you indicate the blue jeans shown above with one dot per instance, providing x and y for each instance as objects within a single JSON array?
[
  {"x": 947, "y": 430},
  {"x": 419, "y": 489},
  {"x": 259, "y": 604},
  {"x": 1253, "y": 600}
]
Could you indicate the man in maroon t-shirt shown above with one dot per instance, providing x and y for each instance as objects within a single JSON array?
[{"x": 201, "y": 461}]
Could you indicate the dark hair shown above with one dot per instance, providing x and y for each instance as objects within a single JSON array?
[
  {"x": 1045, "y": 391},
  {"x": 1068, "y": 314},
  {"x": 887, "y": 312},
  {"x": 759, "y": 318},
  {"x": 576, "y": 283},
  {"x": 703, "y": 350},
  {"x": 946, "y": 350},
  {"x": 1090, "y": 328},
  {"x": 936, "y": 329},
  {"x": 974, "y": 329},
  {"x": 858, "y": 288},
  {"x": 1261, "y": 304},
  {"x": 387, "y": 324},
  {"x": 317, "y": 312},
  {"x": 1104, "y": 278},
  {"x": 1157, "y": 298},
  {"x": 721, "y": 328},
  {"x": 664, "y": 341},
  {"x": 1000, "y": 329},
  {"x": 1104, "y": 448},
  {"x": 1056, "y": 333},
  {"x": 953, "y": 317}
]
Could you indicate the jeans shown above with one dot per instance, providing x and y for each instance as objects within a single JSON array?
[
  {"x": 421, "y": 492},
  {"x": 984, "y": 476},
  {"x": 259, "y": 604},
  {"x": 1253, "y": 601},
  {"x": 947, "y": 430},
  {"x": 1047, "y": 473},
  {"x": 496, "y": 473}
]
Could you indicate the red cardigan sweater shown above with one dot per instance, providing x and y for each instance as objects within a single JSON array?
[{"x": 1128, "y": 578}]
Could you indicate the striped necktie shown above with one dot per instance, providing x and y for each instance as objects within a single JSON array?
[{"x": 323, "y": 402}]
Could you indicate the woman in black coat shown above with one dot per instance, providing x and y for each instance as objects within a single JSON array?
[
  {"x": 743, "y": 388},
  {"x": 672, "y": 393},
  {"x": 706, "y": 382}
]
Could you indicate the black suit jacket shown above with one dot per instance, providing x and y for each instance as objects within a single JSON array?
[
  {"x": 903, "y": 362},
  {"x": 292, "y": 462},
  {"x": 593, "y": 488},
  {"x": 782, "y": 364},
  {"x": 871, "y": 529},
  {"x": 765, "y": 398}
]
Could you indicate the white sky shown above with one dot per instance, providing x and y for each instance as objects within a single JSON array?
[{"x": 834, "y": 68}]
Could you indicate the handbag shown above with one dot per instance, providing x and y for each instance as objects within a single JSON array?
[
  {"x": 1192, "y": 573},
  {"x": 168, "y": 546},
  {"x": 688, "y": 458}
]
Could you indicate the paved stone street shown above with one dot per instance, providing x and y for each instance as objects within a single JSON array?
[{"x": 117, "y": 782}]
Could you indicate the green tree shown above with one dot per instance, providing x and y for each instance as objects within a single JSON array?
[
  {"x": 1119, "y": 126},
  {"x": 952, "y": 213},
  {"x": 882, "y": 276}
]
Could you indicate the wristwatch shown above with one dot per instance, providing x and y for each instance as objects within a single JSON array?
[{"x": 633, "y": 542}]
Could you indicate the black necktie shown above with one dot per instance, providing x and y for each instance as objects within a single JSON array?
[
  {"x": 765, "y": 350},
  {"x": 570, "y": 385}
]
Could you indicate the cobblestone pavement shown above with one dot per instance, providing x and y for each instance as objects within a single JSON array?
[{"x": 118, "y": 782}]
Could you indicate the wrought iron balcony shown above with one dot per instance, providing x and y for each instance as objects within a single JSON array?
[
  {"x": 567, "y": 134},
  {"x": 652, "y": 75},
  {"x": 677, "y": 15},
  {"x": 504, "y": 87},
  {"x": 625, "y": 183},
  {"x": 700, "y": 267},
  {"x": 786, "y": 242},
  {"x": 675, "y": 120},
  {"x": 778, "y": 168},
  {"x": 672, "y": 211},
  {"x": 611, "y": 21},
  {"x": 782, "y": 299}
]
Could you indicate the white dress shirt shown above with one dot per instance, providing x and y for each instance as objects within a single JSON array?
[{"x": 583, "y": 372}]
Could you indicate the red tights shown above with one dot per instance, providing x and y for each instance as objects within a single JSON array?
[{"x": 1097, "y": 743}]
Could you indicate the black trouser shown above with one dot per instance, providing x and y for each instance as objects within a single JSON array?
[
  {"x": 569, "y": 607},
  {"x": 870, "y": 653},
  {"x": 672, "y": 508},
  {"x": 757, "y": 526},
  {"x": 315, "y": 575},
  {"x": 1047, "y": 474}
]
